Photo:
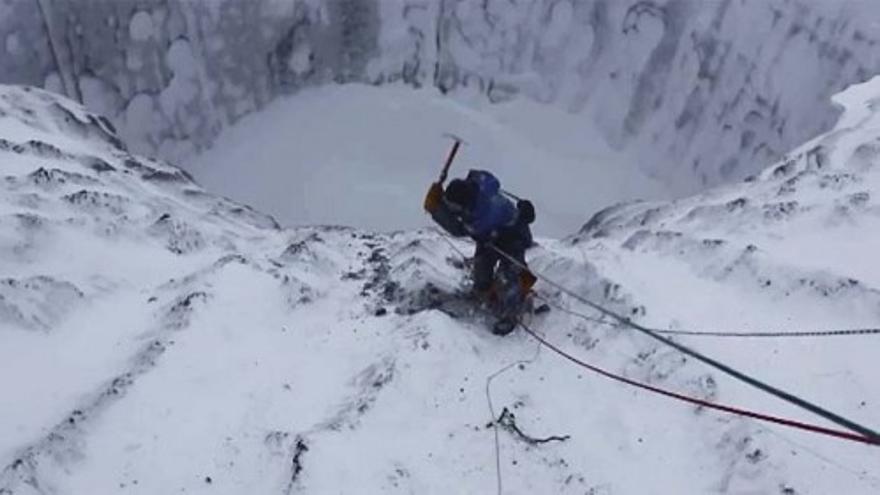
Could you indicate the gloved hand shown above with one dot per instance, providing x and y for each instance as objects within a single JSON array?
[{"x": 434, "y": 197}]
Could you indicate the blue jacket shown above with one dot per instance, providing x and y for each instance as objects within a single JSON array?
[
  {"x": 491, "y": 210},
  {"x": 493, "y": 217}
]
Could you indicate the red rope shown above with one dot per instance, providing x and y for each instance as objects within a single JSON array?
[{"x": 693, "y": 400}]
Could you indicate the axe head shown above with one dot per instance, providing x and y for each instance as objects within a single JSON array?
[
  {"x": 454, "y": 137},
  {"x": 458, "y": 140}
]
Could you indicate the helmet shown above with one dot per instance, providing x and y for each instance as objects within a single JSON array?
[{"x": 460, "y": 193}]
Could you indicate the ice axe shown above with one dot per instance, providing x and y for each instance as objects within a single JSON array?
[
  {"x": 435, "y": 193},
  {"x": 451, "y": 156}
]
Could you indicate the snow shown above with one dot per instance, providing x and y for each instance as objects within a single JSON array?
[
  {"x": 141, "y": 27},
  {"x": 13, "y": 45},
  {"x": 300, "y": 60},
  {"x": 73, "y": 359},
  {"x": 356, "y": 147},
  {"x": 207, "y": 350}
]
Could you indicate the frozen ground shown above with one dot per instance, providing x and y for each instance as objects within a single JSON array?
[
  {"x": 160, "y": 339},
  {"x": 364, "y": 156}
]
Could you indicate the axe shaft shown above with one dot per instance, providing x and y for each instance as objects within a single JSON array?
[{"x": 449, "y": 160}]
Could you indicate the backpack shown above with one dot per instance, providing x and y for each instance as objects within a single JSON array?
[
  {"x": 491, "y": 210},
  {"x": 488, "y": 185}
]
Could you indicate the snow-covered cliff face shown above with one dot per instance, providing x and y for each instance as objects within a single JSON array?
[
  {"x": 703, "y": 91},
  {"x": 160, "y": 339}
]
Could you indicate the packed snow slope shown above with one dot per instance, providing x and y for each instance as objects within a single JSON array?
[
  {"x": 160, "y": 339},
  {"x": 363, "y": 155}
]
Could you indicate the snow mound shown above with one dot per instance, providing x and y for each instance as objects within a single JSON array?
[{"x": 158, "y": 338}]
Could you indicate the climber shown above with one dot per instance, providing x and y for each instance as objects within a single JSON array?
[{"x": 477, "y": 207}]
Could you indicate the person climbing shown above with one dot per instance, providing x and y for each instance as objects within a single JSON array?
[{"x": 476, "y": 207}]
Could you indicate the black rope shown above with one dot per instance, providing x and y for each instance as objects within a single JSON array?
[
  {"x": 826, "y": 333},
  {"x": 790, "y": 398},
  {"x": 792, "y": 423},
  {"x": 507, "y": 420},
  {"x": 495, "y": 424},
  {"x": 692, "y": 333}
]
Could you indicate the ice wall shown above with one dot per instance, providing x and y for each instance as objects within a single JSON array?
[{"x": 701, "y": 91}]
